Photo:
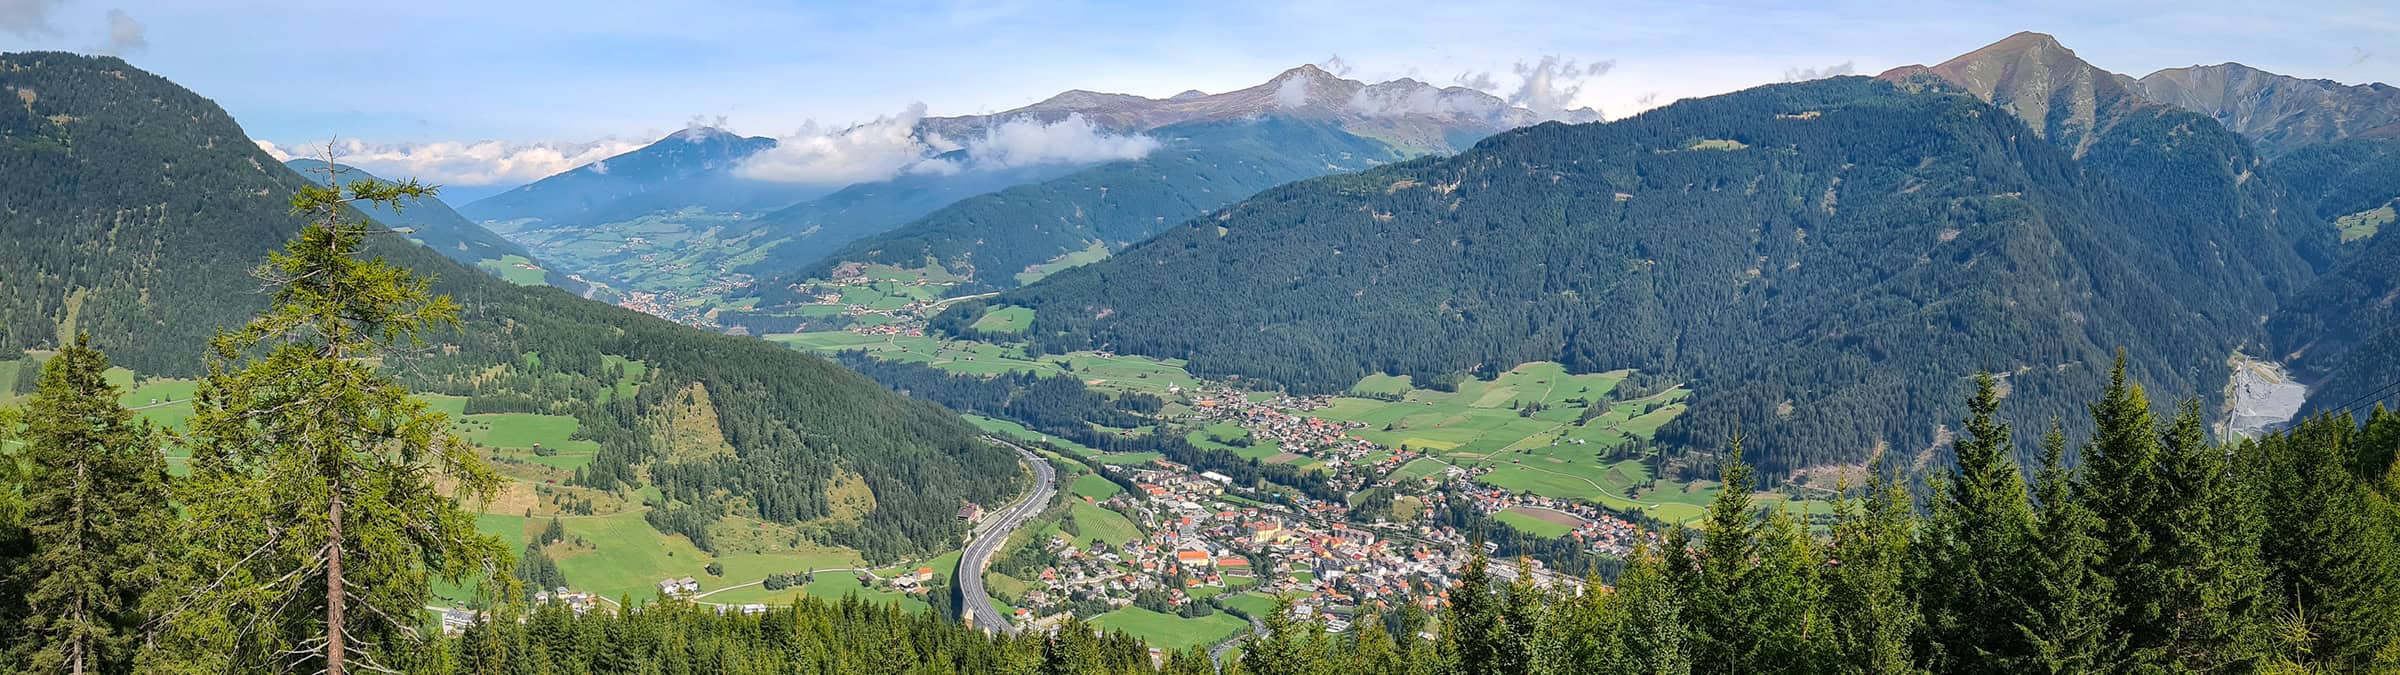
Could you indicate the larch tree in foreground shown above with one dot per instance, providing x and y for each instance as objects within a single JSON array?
[{"x": 318, "y": 484}]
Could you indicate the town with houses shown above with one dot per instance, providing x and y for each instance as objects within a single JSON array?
[
  {"x": 1197, "y": 541},
  {"x": 1198, "y": 536}
]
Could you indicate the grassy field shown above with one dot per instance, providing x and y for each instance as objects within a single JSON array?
[
  {"x": 1090, "y": 254},
  {"x": 2366, "y": 223},
  {"x": 1114, "y": 374},
  {"x": 626, "y": 557},
  {"x": 1093, "y": 523},
  {"x": 1009, "y": 319},
  {"x": 1095, "y": 487},
  {"x": 514, "y": 268},
  {"x": 525, "y": 430},
  {"x": 1170, "y": 631},
  {"x": 1553, "y": 450},
  {"x": 1538, "y": 524}
]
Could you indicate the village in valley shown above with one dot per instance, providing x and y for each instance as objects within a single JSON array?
[
  {"x": 1557, "y": 457},
  {"x": 1205, "y": 543}
]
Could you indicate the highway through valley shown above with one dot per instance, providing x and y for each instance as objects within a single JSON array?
[{"x": 987, "y": 538}]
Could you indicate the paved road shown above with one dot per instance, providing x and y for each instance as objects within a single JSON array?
[
  {"x": 987, "y": 538},
  {"x": 1216, "y": 654}
]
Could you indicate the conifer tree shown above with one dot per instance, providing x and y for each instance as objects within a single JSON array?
[
  {"x": 1522, "y": 612},
  {"x": 1472, "y": 629},
  {"x": 2068, "y": 626},
  {"x": 96, "y": 512},
  {"x": 1876, "y": 622},
  {"x": 2122, "y": 487},
  {"x": 1283, "y": 649},
  {"x": 2207, "y": 553},
  {"x": 1650, "y": 635},
  {"x": 1977, "y": 549},
  {"x": 2330, "y": 554},
  {"x": 1372, "y": 649},
  {"x": 1785, "y": 628},
  {"x": 1711, "y": 577},
  {"x": 317, "y": 481}
]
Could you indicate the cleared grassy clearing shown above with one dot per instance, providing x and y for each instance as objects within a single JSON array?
[
  {"x": 516, "y": 269},
  {"x": 1005, "y": 320},
  {"x": 1170, "y": 631}
]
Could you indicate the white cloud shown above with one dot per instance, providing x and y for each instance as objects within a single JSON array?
[
  {"x": 29, "y": 18},
  {"x": 1336, "y": 65},
  {"x": 1806, "y": 74},
  {"x": 1293, "y": 93},
  {"x": 125, "y": 35},
  {"x": 1548, "y": 87},
  {"x": 1073, "y": 140},
  {"x": 461, "y": 163},
  {"x": 819, "y": 156},
  {"x": 892, "y": 145}
]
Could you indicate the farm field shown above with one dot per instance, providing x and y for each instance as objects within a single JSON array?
[
  {"x": 516, "y": 269},
  {"x": 1169, "y": 631},
  {"x": 625, "y": 557},
  {"x": 1004, "y": 320},
  {"x": 1090, "y": 254},
  {"x": 1095, "y": 487},
  {"x": 1540, "y": 522},
  {"x": 1114, "y": 374},
  {"x": 1553, "y": 451},
  {"x": 1093, "y": 523}
]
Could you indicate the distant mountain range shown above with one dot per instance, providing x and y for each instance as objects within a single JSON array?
[
  {"x": 1827, "y": 263},
  {"x": 433, "y": 223},
  {"x": 688, "y": 168},
  {"x": 675, "y": 220},
  {"x": 1404, "y": 112}
]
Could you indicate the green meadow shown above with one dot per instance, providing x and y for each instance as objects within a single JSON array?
[{"x": 1169, "y": 631}]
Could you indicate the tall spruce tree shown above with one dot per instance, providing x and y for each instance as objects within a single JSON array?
[
  {"x": 2068, "y": 627},
  {"x": 97, "y": 516},
  {"x": 1710, "y": 578},
  {"x": 1651, "y": 637},
  {"x": 2122, "y": 486},
  {"x": 2207, "y": 552},
  {"x": 1785, "y": 627},
  {"x": 1978, "y": 548},
  {"x": 1876, "y": 622},
  {"x": 14, "y": 545},
  {"x": 2332, "y": 562},
  {"x": 317, "y": 482}
]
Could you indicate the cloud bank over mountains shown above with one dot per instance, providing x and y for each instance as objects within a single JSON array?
[
  {"x": 904, "y": 143},
  {"x": 892, "y": 145},
  {"x": 461, "y": 163}
]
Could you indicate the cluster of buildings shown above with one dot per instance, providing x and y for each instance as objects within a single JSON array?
[
  {"x": 1197, "y": 537},
  {"x": 1605, "y": 532},
  {"x": 575, "y": 600},
  {"x": 678, "y": 586}
]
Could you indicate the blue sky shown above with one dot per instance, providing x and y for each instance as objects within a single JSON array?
[{"x": 563, "y": 75}]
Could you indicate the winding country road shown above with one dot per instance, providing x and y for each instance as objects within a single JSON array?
[{"x": 987, "y": 538}]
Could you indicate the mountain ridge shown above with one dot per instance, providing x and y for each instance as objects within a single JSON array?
[{"x": 1694, "y": 241}]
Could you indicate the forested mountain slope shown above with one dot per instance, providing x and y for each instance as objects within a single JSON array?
[
  {"x": 135, "y": 209},
  {"x": 990, "y": 238},
  {"x": 437, "y": 226},
  {"x": 692, "y": 167},
  {"x": 1823, "y": 262},
  {"x": 2181, "y": 160},
  {"x": 2351, "y": 183}
]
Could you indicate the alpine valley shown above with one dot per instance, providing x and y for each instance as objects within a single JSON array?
[{"x": 2009, "y": 363}]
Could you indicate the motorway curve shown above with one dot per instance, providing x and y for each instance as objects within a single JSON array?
[{"x": 987, "y": 538}]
